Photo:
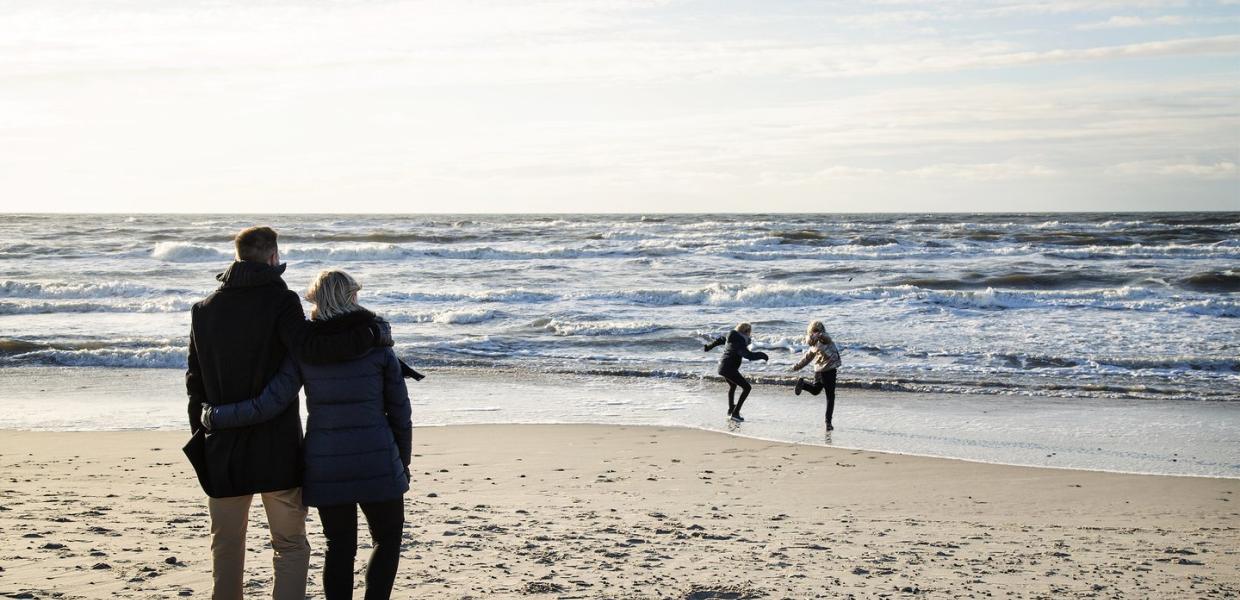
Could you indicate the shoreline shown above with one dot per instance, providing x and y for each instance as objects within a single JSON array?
[
  {"x": 711, "y": 431},
  {"x": 613, "y": 511},
  {"x": 756, "y": 438},
  {"x": 856, "y": 382},
  {"x": 690, "y": 428},
  {"x": 1122, "y": 436}
]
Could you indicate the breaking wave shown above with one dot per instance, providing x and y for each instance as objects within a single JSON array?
[
  {"x": 112, "y": 289},
  {"x": 595, "y": 328},
  {"x": 162, "y": 305},
  {"x": 464, "y": 316},
  {"x": 164, "y": 357}
]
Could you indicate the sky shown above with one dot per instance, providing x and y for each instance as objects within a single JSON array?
[{"x": 619, "y": 106}]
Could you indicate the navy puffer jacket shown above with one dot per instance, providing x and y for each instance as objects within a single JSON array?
[{"x": 359, "y": 429}]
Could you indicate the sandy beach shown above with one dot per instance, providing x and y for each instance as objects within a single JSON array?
[{"x": 573, "y": 511}]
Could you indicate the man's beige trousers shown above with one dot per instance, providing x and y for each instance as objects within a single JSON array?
[{"x": 286, "y": 517}]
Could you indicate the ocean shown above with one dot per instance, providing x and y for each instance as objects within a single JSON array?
[{"x": 1007, "y": 311}]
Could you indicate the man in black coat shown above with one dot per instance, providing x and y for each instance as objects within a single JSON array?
[{"x": 239, "y": 336}]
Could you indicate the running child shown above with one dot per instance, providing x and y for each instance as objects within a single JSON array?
[
  {"x": 737, "y": 348},
  {"x": 826, "y": 357}
]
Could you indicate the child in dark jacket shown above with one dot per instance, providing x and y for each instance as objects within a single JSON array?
[
  {"x": 826, "y": 358},
  {"x": 735, "y": 350}
]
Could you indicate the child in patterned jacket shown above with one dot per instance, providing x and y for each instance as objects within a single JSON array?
[{"x": 826, "y": 358}]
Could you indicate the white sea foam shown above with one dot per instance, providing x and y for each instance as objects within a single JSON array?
[
  {"x": 595, "y": 328},
  {"x": 110, "y": 289},
  {"x": 358, "y": 252},
  {"x": 761, "y": 248},
  {"x": 188, "y": 252},
  {"x": 366, "y": 251},
  {"x": 460, "y": 316},
  {"x": 37, "y": 307},
  {"x": 514, "y": 296},
  {"x": 154, "y": 358},
  {"x": 1163, "y": 251},
  {"x": 1126, "y": 305},
  {"x": 786, "y": 296}
]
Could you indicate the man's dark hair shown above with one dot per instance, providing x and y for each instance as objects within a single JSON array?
[{"x": 256, "y": 243}]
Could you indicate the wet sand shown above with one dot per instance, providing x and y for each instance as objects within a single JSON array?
[{"x": 580, "y": 511}]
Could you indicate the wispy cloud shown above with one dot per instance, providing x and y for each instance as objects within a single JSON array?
[
  {"x": 957, "y": 10},
  {"x": 442, "y": 43},
  {"x": 472, "y": 100},
  {"x": 1004, "y": 171},
  {"x": 959, "y": 172},
  {"x": 1218, "y": 170},
  {"x": 1135, "y": 21}
]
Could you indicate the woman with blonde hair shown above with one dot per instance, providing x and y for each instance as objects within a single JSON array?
[
  {"x": 737, "y": 348},
  {"x": 826, "y": 357},
  {"x": 358, "y": 440}
]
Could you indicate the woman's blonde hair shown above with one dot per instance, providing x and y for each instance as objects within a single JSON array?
[
  {"x": 744, "y": 328},
  {"x": 815, "y": 327},
  {"x": 333, "y": 293}
]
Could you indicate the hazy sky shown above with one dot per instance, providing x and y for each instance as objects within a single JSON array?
[{"x": 615, "y": 106}]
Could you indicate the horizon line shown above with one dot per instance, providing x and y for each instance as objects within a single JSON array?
[{"x": 642, "y": 213}]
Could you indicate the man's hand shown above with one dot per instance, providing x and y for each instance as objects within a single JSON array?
[
  {"x": 206, "y": 416},
  {"x": 382, "y": 331}
]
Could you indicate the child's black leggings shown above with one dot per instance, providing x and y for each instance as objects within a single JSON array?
[
  {"x": 824, "y": 381},
  {"x": 735, "y": 380}
]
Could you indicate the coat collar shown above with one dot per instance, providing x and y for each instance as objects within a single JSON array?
[
  {"x": 244, "y": 273},
  {"x": 357, "y": 318}
]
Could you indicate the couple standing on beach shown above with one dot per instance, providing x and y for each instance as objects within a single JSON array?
[
  {"x": 822, "y": 352},
  {"x": 251, "y": 349}
]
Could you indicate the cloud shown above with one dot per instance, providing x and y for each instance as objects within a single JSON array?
[
  {"x": 961, "y": 10},
  {"x": 1224, "y": 44},
  {"x": 836, "y": 172},
  {"x": 547, "y": 98},
  {"x": 1125, "y": 22},
  {"x": 1188, "y": 169},
  {"x": 884, "y": 18},
  {"x": 982, "y": 171},
  {"x": 626, "y": 62},
  {"x": 964, "y": 172},
  {"x": 503, "y": 44},
  {"x": 1053, "y": 7}
]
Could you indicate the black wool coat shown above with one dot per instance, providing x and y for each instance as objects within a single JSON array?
[
  {"x": 239, "y": 337},
  {"x": 359, "y": 432}
]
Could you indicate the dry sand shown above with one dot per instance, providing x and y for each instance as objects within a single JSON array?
[{"x": 568, "y": 511}]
